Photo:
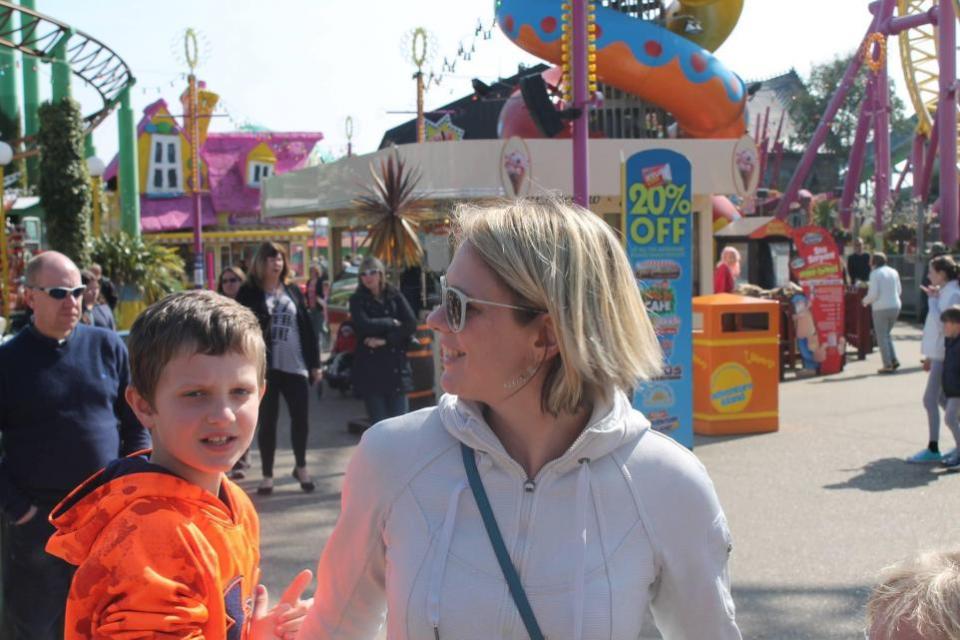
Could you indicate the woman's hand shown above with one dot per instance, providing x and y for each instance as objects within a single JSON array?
[
  {"x": 316, "y": 375},
  {"x": 931, "y": 291},
  {"x": 283, "y": 621},
  {"x": 926, "y": 364},
  {"x": 374, "y": 343}
]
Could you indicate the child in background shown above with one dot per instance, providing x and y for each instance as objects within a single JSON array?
[
  {"x": 166, "y": 545},
  {"x": 951, "y": 378}
]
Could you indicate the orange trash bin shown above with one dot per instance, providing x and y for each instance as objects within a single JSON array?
[{"x": 736, "y": 365}]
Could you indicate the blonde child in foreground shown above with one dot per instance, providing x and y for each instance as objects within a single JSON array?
[
  {"x": 165, "y": 545},
  {"x": 917, "y": 600}
]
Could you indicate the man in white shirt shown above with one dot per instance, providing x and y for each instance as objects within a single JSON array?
[{"x": 883, "y": 295}]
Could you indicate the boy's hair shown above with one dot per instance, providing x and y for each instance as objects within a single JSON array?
[
  {"x": 878, "y": 259},
  {"x": 201, "y": 322},
  {"x": 923, "y": 592},
  {"x": 951, "y": 314}
]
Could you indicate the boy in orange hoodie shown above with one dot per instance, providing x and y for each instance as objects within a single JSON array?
[{"x": 167, "y": 546}]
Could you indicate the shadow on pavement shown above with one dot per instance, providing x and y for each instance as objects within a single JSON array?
[
  {"x": 803, "y": 612},
  {"x": 889, "y": 473}
]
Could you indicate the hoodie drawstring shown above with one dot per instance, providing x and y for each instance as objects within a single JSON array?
[
  {"x": 440, "y": 561},
  {"x": 583, "y": 490}
]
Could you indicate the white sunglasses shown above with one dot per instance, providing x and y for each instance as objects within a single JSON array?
[{"x": 455, "y": 303}]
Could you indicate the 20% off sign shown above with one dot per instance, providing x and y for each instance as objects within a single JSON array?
[{"x": 659, "y": 214}]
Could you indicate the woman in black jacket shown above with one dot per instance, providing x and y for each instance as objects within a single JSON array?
[
  {"x": 384, "y": 324},
  {"x": 293, "y": 357}
]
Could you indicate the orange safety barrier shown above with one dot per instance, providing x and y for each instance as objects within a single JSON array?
[{"x": 736, "y": 368}]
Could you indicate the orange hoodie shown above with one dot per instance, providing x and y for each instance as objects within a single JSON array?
[{"x": 157, "y": 556}]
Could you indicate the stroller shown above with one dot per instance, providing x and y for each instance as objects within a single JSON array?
[{"x": 336, "y": 370}]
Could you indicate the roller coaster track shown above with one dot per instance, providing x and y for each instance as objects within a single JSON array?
[
  {"x": 921, "y": 69},
  {"x": 37, "y": 35}
]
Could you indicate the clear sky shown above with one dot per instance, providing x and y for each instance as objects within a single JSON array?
[{"x": 305, "y": 65}]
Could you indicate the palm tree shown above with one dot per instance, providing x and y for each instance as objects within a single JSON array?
[{"x": 398, "y": 212}]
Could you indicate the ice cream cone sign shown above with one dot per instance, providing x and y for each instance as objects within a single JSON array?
[
  {"x": 746, "y": 166},
  {"x": 515, "y": 168}
]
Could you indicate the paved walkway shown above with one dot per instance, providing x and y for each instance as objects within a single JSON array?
[{"x": 816, "y": 508}]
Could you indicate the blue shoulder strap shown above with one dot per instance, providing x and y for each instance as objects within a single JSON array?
[{"x": 499, "y": 548}]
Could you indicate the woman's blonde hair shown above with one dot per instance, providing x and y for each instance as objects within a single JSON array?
[
  {"x": 923, "y": 592},
  {"x": 560, "y": 257},
  {"x": 265, "y": 251}
]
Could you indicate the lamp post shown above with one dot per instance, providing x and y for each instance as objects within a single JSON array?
[
  {"x": 193, "y": 129},
  {"x": 6, "y": 156},
  {"x": 96, "y": 167},
  {"x": 419, "y": 53}
]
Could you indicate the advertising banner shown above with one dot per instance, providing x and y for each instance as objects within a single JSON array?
[
  {"x": 818, "y": 311},
  {"x": 658, "y": 231}
]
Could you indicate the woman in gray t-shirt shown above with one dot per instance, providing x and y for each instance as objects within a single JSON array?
[{"x": 293, "y": 358}]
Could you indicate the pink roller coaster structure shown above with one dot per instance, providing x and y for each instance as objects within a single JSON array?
[{"x": 892, "y": 18}]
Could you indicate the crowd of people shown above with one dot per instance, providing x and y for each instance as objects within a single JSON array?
[{"x": 121, "y": 520}]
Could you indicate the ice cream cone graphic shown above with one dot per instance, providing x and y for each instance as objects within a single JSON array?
[
  {"x": 746, "y": 166},
  {"x": 515, "y": 165}
]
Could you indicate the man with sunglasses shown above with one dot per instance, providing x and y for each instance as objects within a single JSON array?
[{"x": 63, "y": 416}]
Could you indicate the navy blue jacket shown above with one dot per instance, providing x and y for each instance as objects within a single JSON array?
[
  {"x": 383, "y": 370},
  {"x": 951, "y": 367},
  {"x": 63, "y": 415}
]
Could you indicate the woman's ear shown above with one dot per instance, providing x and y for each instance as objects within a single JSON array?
[{"x": 547, "y": 337}]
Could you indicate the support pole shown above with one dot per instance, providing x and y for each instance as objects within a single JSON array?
[
  {"x": 129, "y": 177},
  {"x": 820, "y": 134},
  {"x": 920, "y": 209},
  {"x": 855, "y": 164},
  {"x": 96, "y": 180},
  {"x": 881, "y": 137},
  {"x": 31, "y": 93},
  {"x": 9, "y": 91},
  {"x": 947, "y": 112},
  {"x": 195, "y": 178},
  {"x": 421, "y": 124},
  {"x": 61, "y": 68},
  {"x": 581, "y": 125}
]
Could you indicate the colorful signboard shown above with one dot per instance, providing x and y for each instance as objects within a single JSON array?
[
  {"x": 818, "y": 311},
  {"x": 658, "y": 231}
]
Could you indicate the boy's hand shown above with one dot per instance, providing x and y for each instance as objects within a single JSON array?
[
  {"x": 283, "y": 621},
  {"x": 926, "y": 364}
]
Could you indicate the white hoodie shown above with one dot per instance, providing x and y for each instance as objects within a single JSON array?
[
  {"x": 625, "y": 519},
  {"x": 931, "y": 346}
]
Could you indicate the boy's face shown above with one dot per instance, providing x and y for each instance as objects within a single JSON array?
[
  {"x": 951, "y": 329},
  {"x": 203, "y": 415}
]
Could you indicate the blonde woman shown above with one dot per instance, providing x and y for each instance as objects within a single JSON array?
[
  {"x": 727, "y": 271},
  {"x": 535, "y": 451}
]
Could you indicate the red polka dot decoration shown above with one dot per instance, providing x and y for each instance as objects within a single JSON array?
[{"x": 698, "y": 62}]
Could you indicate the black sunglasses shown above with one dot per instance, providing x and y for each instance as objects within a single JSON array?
[
  {"x": 230, "y": 281},
  {"x": 369, "y": 272},
  {"x": 59, "y": 293}
]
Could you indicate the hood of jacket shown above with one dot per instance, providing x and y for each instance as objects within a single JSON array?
[
  {"x": 90, "y": 508},
  {"x": 611, "y": 424}
]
